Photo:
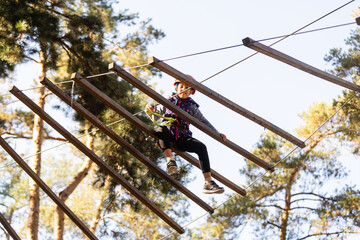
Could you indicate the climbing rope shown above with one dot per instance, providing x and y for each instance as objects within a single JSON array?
[
  {"x": 286, "y": 36},
  {"x": 260, "y": 177},
  {"x": 190, "y": 55},
  {"x": 268, "y": 171},
  {"x": 296, "y": 147},
  {"x": 261, "y": 40},
  {"x": 66, "y": 142}
]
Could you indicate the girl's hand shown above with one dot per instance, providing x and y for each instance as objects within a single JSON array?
[
  {"x": 223, "y": 136},
  {"x": 149, "y": 107}
]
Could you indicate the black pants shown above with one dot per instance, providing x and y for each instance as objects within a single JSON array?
[{"x": 187, "y": 145}]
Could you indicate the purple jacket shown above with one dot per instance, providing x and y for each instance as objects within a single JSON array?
[{"x": 180, "y": 128}]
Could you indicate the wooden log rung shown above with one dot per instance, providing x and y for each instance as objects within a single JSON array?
[
  {"x": 250, "y": 43},
  {"x": 223, "y": 100},
  {"x": 148, "y": 130},
  {"x": 78, "y": 144},
  {"x": 132, "y": 150},
  {"x": 7, "y": 225},
  {"x": 187, "y": 117},
  {"x": 46, "y": 189}
]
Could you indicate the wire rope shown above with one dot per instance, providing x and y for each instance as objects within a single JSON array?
[
  {"x": 61, "y": 144},
  {"x": 194, "y": 54},
  {"x": 267, "y": 171},
  {"x": 261, "y": 40},
  {"x": 293, "y": 150},
  {"x": 281, "y": 39},
  {"x": 213, "y": 50}
]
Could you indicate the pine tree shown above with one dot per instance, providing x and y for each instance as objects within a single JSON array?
[
  {"x": 291, "y": 202},
  {"x": 72, "y": 36}
]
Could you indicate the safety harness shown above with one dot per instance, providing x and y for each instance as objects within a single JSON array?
[{"x": 169, "y": 121}]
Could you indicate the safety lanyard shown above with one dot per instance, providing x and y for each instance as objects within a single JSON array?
[{"x": 170, "y": 120}]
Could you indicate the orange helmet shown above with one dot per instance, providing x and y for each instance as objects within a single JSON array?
[{"x": 177, "y": 81}]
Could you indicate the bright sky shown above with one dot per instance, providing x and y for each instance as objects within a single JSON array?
[{"x": 271, "y": 89}]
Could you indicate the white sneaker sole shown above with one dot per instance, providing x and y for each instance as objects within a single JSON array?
[
  {"x": 217, "y": 191},
  {"x": 173, "y": 170}
]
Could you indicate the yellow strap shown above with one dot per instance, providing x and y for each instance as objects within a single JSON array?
[{"x": 168, "y": 123}]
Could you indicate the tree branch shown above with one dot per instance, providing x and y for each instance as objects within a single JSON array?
[
  {"x": 269, "y": 194},
  {"x": 308, "y": 208},
  {"x": 327, "y": 234},
  {"x": 273, "y": 205},
  {"x": 304, "y": 199},
  {"x": 311, "y": 193},
  {"x": 6, "y": 233},
  {"x": 32, "y": 59},
  {"x": 275, "y": 225},
  {"x": 47, "y": 94},
  {"x": 85, "y": 63},
  {"x": 56, "y": 139},
  {"x": 15, "y": 135},
  {"x": 46, "y": 137}
]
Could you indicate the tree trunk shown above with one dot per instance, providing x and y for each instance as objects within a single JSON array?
[
  {"x": 34, "y": 195},
  {"x": 100, "y": 206},
  {"x": 10, "y": 221},
  {"x": 59, "y": 220},
  {"x": 286, "y": 211}
]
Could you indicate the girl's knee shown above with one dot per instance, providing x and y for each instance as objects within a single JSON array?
[
  {"x": 161, "y": 129},
  {"x": 203, "y": 146}
]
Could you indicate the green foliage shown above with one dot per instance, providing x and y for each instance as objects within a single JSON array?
[
  {"x": 25, "y": 25},
  {"x": 343, "y": 208},
  {"x": 141, "y": 223},
  {"x": 13, "y": 191},
  {"x": 292, "y": 199},
  {"x": 347, "y": 65},
  {"x": 137, "y": 173},
  {"x": 84, "y": 37},
  {"x": 292, "y": 203}
]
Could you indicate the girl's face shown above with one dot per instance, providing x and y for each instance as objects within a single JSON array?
[{"x": 180, "y": 89}]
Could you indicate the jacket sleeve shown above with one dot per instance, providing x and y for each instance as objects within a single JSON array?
[
  {"x": 159, "y": 109},
  {"x": 195, "y": 112}
]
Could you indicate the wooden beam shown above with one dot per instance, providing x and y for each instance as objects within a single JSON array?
[
  {"x": 131, "y": 149},
  {"x": 148, "y": 130},
  {"x": 248, "y": 42},
  {"x": 8, "y": 227},
  {"x": 78, "y": 144},
  {"x": 166, "y": 103},
  {"x": 46, "y": 189},
  {"x": 223, "y": 100}
]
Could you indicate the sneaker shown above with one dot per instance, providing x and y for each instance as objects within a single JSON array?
[
  {"x": 172, "y": 167},
  {"x": 212, "y": 187}
]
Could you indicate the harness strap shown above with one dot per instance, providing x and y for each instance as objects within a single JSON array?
[{"x": 166, "y": 124}]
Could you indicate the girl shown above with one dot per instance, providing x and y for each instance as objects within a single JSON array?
[{"x": 180, "y": 136}]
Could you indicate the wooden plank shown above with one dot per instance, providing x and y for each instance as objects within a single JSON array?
[
  {"x": 223, "y": 100},
  {"x": 248, "y": 42},
  {"x": 160, "y": 99},
  {"x": 131, "y": 149},
  {"x": 148, "y": 130},
  {"x": 7, "y": 225},
  {"x": 78, "y": 144},
  {"x": 46, "y": 189}
]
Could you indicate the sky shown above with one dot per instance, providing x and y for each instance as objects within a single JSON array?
[{"x": 271, "y": 89}]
